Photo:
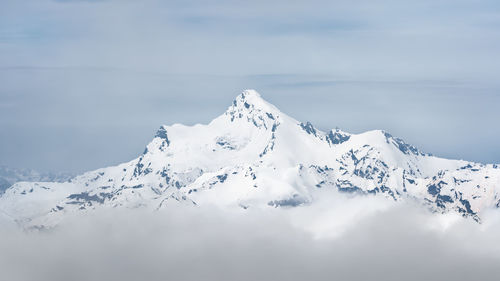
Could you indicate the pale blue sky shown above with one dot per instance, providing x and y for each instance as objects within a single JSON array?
[{"x": 84, "y": 84}]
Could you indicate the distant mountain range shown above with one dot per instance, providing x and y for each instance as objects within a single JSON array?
[
  {"x": 9, "y": 176},
  {"x": 255, "y": 156}
]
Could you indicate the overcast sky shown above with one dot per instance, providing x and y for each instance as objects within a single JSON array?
[{"x": 84, "y": 84}]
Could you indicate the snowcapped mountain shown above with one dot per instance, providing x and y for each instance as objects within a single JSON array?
[{"x": 254, "y": 156}]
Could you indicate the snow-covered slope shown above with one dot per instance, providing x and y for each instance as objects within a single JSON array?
[{"x": 254, "y": 156}]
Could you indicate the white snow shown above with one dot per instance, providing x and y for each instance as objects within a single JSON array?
[{"x": 255, "y": 156}]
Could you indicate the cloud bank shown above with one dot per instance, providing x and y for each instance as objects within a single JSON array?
[{"x": 379, "y": 241}]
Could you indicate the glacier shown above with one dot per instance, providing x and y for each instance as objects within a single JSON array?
[{"x": 255, "y": 156}]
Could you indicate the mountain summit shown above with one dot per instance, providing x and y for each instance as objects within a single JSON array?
[
  {"x": 255, "y": 156},
  {"x": 250, "y": 100}
]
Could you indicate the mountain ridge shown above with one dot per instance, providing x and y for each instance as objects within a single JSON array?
[{"x": 255, "y": 156}]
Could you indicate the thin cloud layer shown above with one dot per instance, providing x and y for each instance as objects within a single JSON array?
[{"x": 83, "y": 76}]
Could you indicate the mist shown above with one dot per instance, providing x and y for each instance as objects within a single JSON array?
[{"x": 377, "y": 240}]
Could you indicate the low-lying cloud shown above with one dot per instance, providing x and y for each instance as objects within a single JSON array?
[{"x": 379, "y": 242}]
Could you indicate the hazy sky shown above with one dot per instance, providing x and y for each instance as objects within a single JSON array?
[{"x": 85, "y": 84}]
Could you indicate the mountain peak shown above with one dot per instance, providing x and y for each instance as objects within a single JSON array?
[
  {"x": 249, "y": 105},
  {"x": 250, "y": 99},
  {"x": 250, "y": 93}
]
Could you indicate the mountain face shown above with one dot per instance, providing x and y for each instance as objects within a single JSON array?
[
  {"x": 254, "y": 156},
  {"x": 9, "y": 176}
]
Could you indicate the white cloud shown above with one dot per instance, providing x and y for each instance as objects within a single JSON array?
[{"x": 392, "y": 243}]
